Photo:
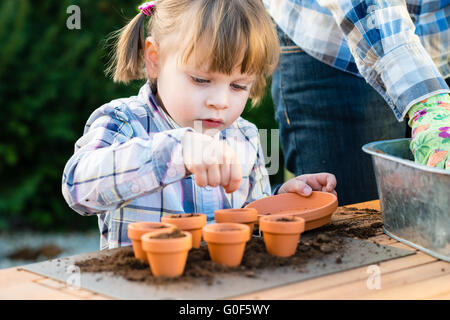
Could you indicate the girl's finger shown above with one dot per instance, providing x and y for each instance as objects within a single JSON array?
[
  {"x": 311, "y": 180},
  {"x": 235, "y": 177},
  {"x": 225, "y": 174},
  {"x": 297, "y": 186},
  {"x": 320, "y": 181},
  {"x": 213, "y": 173},
  {"x": 303, "y": 189},
  {"x": 200, "y": 176},
  {"x": 331, "y": 182},
  {"x": 225, "y": 168}
]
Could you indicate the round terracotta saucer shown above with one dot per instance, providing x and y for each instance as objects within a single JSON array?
[{"x": 315, "y": 209}]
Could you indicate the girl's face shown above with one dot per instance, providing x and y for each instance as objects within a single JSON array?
[{"x": 197, "y": 98}]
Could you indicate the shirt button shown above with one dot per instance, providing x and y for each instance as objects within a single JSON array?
[{"x": 135, "y": 188}]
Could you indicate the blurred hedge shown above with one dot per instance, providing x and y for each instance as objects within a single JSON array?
[{"x": 51, "y": 79}]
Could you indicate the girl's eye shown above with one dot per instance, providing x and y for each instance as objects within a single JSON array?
[
  {"x": 199, "y": 80},
  {"x": 239, "y": 87}
]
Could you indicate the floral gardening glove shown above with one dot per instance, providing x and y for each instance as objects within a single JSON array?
[{"x": 430, "y": 123}]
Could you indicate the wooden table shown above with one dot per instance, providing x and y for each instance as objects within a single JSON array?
[{"x": 418, "y": 276}]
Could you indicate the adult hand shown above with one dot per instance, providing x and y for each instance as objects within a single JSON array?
[
  {"x": 306, "y": 183},
  {"x": 212, "y": 162},
  {"x": 430, "y": 123}
]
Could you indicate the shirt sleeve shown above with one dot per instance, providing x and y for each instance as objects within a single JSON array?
[
  {"x": 111, "y": 166},
  {"x": 259, "y": 183},
  {"x": 388, "y": 53},
  {"x": 276, "y": 189}
]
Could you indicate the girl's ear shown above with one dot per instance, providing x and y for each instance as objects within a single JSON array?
[{"x": 151, "y": 57}]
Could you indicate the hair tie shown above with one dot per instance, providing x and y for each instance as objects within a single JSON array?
[{"x": 146, "y": 8}]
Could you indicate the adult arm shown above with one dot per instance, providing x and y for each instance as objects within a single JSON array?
[{"x": 388, "y": 53}]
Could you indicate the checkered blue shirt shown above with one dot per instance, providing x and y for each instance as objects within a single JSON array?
[
  {"x": 126, "y": 168},
  {"x": 401, "y": 50}
]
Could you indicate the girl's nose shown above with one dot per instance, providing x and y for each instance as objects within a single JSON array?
[{"x": 219, "y": 99}]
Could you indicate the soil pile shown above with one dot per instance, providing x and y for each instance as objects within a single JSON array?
[
  {"x": 364, "y": 224},
  {"x": 48, "y": 251}
]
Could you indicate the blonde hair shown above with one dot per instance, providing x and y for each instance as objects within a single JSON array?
[{"x": 235, "y": 31}]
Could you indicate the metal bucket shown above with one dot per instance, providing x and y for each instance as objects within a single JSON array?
[{"x": 415, "y": 199}]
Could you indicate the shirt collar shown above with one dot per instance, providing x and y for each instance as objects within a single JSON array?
[{"x": 146, "y": 95}]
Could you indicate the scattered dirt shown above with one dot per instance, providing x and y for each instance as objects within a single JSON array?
[
  {"x": 365, "y": 224},
  {"x": 184, "y": 215},
  {"x": 285, "y": 219},
  {"x": 48, "y": 251},
  {"x": 199, "y": 267},
  {"x": 353, "y": 210}
]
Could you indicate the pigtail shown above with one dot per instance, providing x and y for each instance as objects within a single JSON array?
[{"x": 128, "y": 54}]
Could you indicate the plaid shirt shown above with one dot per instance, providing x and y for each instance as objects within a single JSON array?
[
  {"x": 124, "y": 168},
  {"x": 377, "y": 39}
]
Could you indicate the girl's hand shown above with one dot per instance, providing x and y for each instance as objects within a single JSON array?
[
  {"x": 306, "y": 183},
  {"x": 212, "y": 162}
]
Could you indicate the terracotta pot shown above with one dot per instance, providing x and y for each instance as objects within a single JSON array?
[
  {"x": 248, "y": 216},
  {"x": 226, "y": 242},
  {"x": 167, "y": 257},
  {"x": 135, "y": 232},
  {"x": 192, "y": 222},
  {"x": 316, "y": 209},
  {"x": 281, "y": 237}
]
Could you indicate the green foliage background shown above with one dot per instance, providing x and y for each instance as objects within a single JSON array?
[{"x": 51, "y": 79}]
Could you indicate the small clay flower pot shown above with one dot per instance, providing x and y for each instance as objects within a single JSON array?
[
  {"x": 192, "y": 222},
  {"x": 226, "y": 242},
  {"x": 167, "y": 251},
  {"x": 248, "y": 216},
  {"x": 137, "y": 229},
  {"x": 281, "y": 234}
]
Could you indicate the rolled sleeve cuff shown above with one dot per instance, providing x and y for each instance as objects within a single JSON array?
[
  {"x": 275, "y": 190},
  {"x": 405, "y": 76}
]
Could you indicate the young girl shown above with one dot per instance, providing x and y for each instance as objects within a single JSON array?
[{"x": 180, "y": 145}]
